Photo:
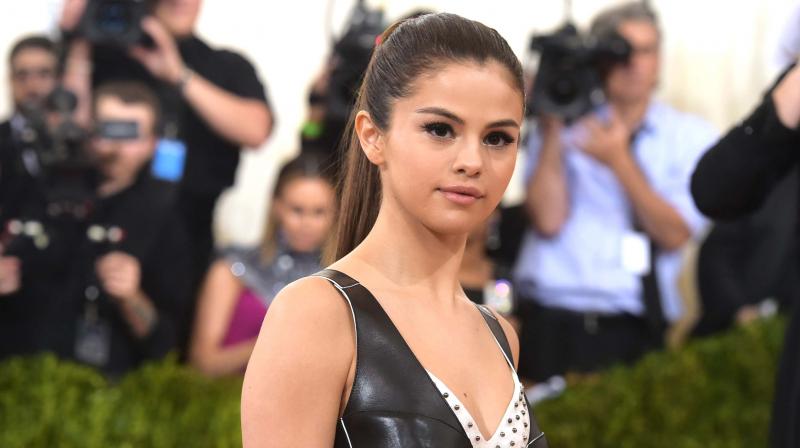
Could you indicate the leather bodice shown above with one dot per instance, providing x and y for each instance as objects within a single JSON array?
[{"x": 394, "y": 403}]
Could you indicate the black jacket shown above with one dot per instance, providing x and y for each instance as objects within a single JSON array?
[
  {"x": 734, "y": 178},
  {"x": 55, "y": 298}
]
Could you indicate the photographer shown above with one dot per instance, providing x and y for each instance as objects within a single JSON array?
[
  {"x": 609, "y": 202},
  {"x": 32, "y": 61},
  {"x": 214, "y": 103},
  {"x": 733, "y": 179},
  {"x": 125, "y": 284}
]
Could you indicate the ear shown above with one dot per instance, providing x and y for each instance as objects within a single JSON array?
[{"x": 370, "y": 137}]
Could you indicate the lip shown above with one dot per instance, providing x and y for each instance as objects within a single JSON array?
[{"x": 461, "y": 195}]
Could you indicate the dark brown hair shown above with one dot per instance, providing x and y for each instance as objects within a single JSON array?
[
  {"x": 39, "y": 42},
  {"x": 304, "y": 166},
  {"x": 130, "y": 92},
  {"x": 408, "y": 49}
]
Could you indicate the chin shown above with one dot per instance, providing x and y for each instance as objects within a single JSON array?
[{"x": 452, "y": 225}]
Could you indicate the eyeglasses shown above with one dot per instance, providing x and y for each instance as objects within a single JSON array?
[{"x": 24, "y": 74}]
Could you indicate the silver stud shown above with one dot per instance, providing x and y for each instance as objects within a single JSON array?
[
  {"x": 517, "y": 417},
  {"x": 456, "y": 407},
  {"x": 509, "y": 420},
  {"x": 514, "y": 430},
  {"x": 469, "y": 425},
  {"x": 502, "y": 434},
  {"x": 445, "y": 395},
  {"x": 516, "y": 404},
  {"x": 477, "y": 438},
  {"x": 525, "y": 424},
  {"x": 512, "y": 443}
]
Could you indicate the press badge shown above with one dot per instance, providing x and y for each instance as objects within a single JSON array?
[
  {"x": 93, "y": 341},
  {"x": 635, "y": 253},
  {"x": 93, "y": 335},
  {"x": 169, "y": 160}
]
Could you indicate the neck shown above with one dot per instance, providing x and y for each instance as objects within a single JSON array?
[
  {"x": 631, "y": 112},
  {"x": 420, "y": 259},
  {"x": 474, "y": 255}
]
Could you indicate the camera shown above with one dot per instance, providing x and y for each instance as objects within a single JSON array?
[
  {"x": 51, "y": 148},
  {"x": 352, "y": 53},
  {"x": 115, "y": 23},
  {"x": 569, "y": 79}
]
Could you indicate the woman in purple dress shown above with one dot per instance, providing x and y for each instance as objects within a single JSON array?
[{"x": 240, "y": 285}]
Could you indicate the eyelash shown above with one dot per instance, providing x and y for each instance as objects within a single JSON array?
[{"x": 433, "y": 128}]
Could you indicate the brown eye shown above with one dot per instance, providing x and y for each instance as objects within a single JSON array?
[
  {"x": 439, "y": 130},
  {"x": 498, "y": 139}
]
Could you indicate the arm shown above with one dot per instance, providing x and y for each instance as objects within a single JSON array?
[
  {"x": 610, "y": 145},
  {"x": 735, "y": 176},
  {"x": 547, "y": 199},
  {"x": 305, "y": 352},
  {"x": 244, "y": 121},
  {"x": 77, "y": 76},
  {"x": 214, "y": 310},
  {"x": 658, "y": 218},
  {"x": 120, "y": 276}
]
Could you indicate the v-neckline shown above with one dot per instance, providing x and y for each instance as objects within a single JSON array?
[
  {"x": 514, "y": 394},
  {"x": 426, "y": 371}
]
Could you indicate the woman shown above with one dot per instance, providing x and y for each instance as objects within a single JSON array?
[
  {"x": 241, "y": 284},
  {"x": 401, "y": 357}
]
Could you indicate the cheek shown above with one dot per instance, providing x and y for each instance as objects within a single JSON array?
[{"x": 501, "y": 168}]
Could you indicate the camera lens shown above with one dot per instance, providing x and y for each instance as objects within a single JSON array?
[{"x": 564, "y": 90}]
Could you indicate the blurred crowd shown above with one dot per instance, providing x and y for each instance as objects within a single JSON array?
[{"x": 117, "y": 151}]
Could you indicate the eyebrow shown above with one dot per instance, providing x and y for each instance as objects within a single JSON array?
[{"x": 449, "y": 115}]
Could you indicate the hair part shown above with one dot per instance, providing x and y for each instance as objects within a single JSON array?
[
  {"x": 130, "y": 92},
  {"x": 408, "y": 49}
]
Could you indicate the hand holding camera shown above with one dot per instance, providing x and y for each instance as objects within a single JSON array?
[
  {"x": 9, "y": 275},
  {"x": 163, "y": 60},
  {"x": 607, "y": 142},
  {"x": 120, "y": 275}
]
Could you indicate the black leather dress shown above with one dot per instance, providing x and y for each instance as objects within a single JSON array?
[{"x": 394, "y": 403}]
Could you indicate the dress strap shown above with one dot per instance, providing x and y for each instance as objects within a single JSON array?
[
  {"x": 497, "y": 331},
  {"x": 388, "y": 375}
]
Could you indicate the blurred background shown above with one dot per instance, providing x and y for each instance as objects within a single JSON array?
[
  {"x": 715, "y": 52},
  {"x": 159, "y": 188}
]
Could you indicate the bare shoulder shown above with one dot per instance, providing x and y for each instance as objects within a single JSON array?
[
  {"x": 305, "y": 348},
  {"x": 310, "y": 297},
  {"x": 311, "y": 316}
]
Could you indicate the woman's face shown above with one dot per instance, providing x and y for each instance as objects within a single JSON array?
[
  {"x": 450, "y": 147},
  {"x": 305, "y": 210}
]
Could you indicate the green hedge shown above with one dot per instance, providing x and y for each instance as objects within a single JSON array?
[{"x": 714, "y": 393}]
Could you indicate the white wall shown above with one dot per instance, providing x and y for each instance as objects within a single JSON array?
[{"x": 718, "y": 59}]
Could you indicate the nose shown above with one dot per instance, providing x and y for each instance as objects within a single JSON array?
[{"x": 469, "y": 158}]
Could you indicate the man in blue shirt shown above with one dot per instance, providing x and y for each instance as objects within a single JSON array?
[{"x": 608, "y": 199}]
